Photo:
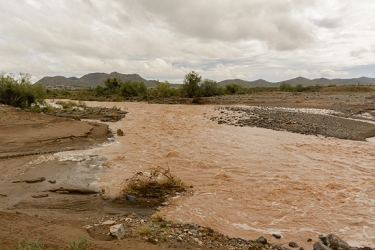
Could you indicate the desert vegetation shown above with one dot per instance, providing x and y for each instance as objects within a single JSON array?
[
  {"x": 79, "y": 244},
  {"x": 194, "y": 86},
  {"x": 20, "y": 92},
  {"x": 158, "y": 183},
  {"x": 23, "y": 94}
]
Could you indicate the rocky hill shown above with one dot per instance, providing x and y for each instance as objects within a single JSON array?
[
  {"x": 302, "y": 80},
  {"x": 90, "y": 80},
  {"x": 95, "y": 79}
]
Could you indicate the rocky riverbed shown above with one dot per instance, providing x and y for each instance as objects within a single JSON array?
[{"x": 323, "y": 122}]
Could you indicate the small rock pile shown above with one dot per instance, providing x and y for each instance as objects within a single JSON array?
[
  {"x": 333, "y": 242},
  {"x": 155, "y": 230}
]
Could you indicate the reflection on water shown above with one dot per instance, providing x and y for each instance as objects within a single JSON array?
[{"x": 248, "y": 182}]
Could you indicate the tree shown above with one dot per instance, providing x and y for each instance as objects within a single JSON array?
[
  {"x": 190, "y": 88},
  {"x": 210, "y": 88}
]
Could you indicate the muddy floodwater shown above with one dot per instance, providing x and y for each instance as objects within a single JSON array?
[{"x": 247, "y": 182}]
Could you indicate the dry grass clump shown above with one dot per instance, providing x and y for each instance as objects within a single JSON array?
[{"x": 157, "y": 183}]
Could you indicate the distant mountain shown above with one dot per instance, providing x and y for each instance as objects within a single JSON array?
[
  {"x": 259, "y": 82},
  {"x": 90, "y": 80},
  {"x": 298, "y": 80},
  {"x": 302, "y": 80},
  {"x": 95, "y": 79}
]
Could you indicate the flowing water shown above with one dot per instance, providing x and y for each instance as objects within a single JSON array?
[{"x": 248, "y": 182}]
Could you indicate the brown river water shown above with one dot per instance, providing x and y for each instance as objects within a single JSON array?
[{"x": 248, "y": 182}]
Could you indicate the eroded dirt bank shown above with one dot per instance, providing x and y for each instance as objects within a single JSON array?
[{"x": 27, "y": 133}]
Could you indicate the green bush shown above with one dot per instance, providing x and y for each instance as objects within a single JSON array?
[
  {"x": 314, "y": 88},
  {"x": 20, "y": 93},
  {"x": 163, "y": 89},
  {"x": 234, "y": 88},
  {"x": 210, "y": 88},
  {"x": 128, "y": 89},
  {"x": 286, "y": 87},
  {"x": 299, "y": 88}
]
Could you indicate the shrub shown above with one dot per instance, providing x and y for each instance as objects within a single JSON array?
[
  {"x": 210, "y": 88},
  {"x": 299, "y": 88},
  {"x": 286, "y": 87},
  {"x": 20, "y": 93},
  {"x": 234, "y": 88},
  {"x": 162, "y": 89},
  {"x": 133, "y": 89}
]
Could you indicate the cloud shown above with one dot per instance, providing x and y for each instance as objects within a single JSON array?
[
  {"x": 269, "y": 21},
  {"x": 330, "y": 72},
  {"x": 363, "y": 52},
  {"x": 296, "y": 73},
  {"x": 166, "y": 39}
]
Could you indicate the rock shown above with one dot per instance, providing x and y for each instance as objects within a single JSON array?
[
  {"x": 117, "y": 230},
  {"x": 35, "y": 180},
  {"x": 301, "y": 248},
  {"x": 52, "y": 181},
  {"x": 334, "y": 242},
  {"x": 130, "y": 197},
  {"x": 293, "y": 244},
  {"x": 31, "y": 180},
  {"x": 365, "y": 248},
  {"x": 76, "y": 190},
  {"x": 120, "y": 132},
  {"x": 277, "y": 236},
  {"x": 109, "y": 222},
  {"x": 193, "y": 232},
  {"x": 39, "y": 195},
  {"x": 320, "y": 246},
  {"x": 309, "y": 240},
  {"x": 323, "y": 239},
  {"x": 262, "y": 240}
]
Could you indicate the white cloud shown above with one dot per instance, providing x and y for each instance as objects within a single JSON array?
[
  {"x": 295, "y": 73},
  {"x": 330, "y": 73},
  {"x": 166, "y": 39}
]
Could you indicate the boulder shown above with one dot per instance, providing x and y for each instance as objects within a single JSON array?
[
  {"x": 277, "y": 236},
  {"x": 293, "y": 244},
  {"x": 117, "y": 230},
  {"x": 320, "y": 246},
  {"x": 334, "y": 242},
  {"x": 262, "y": 240}
]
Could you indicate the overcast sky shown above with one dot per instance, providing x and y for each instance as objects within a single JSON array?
[{"x": 166, "y": 39}]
